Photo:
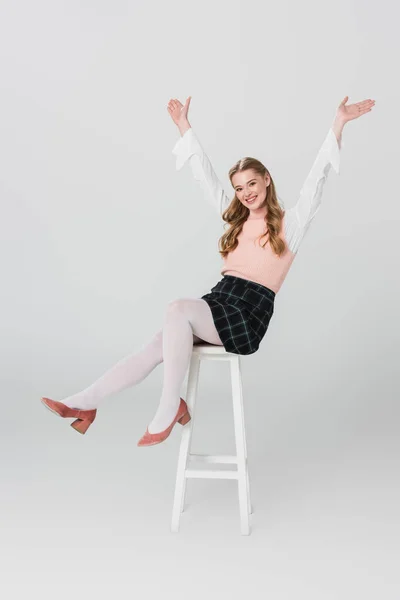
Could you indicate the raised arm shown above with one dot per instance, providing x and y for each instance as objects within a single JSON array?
[
  {"x": 298, "y": 218},
  {"x": 188, "y": 147},
  {"x": 310, "y": 195}
]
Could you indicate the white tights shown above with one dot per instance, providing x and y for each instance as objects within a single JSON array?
[{"x": 187, "y": 321}]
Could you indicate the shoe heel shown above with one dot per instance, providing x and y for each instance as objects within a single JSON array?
[
  {"x": 81, "y": 425},
  {"x": 185, "y": 419}
]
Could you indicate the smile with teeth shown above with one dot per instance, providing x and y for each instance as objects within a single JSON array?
[{"x": 250, "y": 200}]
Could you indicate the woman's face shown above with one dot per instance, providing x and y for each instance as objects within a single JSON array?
[{"x": 249, "y": 185}]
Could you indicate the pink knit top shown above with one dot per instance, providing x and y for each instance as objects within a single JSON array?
[{"x": 250, "y": 260}]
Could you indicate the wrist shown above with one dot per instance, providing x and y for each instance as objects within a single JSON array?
[
  {"x": 337, "y": 127},
  {"x": 184, "y": 126},
  {"x": 339, "y": 122}
]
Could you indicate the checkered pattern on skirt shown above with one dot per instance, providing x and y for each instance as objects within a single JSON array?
[{"x": 241, "y": 310}]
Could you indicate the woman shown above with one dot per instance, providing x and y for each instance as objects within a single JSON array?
[{"x": 258, "y": 249}]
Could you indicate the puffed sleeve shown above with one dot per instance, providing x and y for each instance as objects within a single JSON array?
[
  {"x": 298, "y": 218},
  {"x": 188, "y": 147}
]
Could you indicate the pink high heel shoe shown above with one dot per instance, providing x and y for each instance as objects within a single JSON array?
[
  {"x": 182, "y": 417},
  {"x": 84, "y": 418}
]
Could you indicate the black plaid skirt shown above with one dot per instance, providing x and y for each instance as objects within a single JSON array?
[{"x": 241, "y": 310}]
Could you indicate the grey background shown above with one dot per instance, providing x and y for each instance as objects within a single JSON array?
[{"x": 99, "y": 232}]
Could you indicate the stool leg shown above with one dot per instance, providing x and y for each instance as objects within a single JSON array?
[
  {"x": 180, "y": 484},
  {"x": 249, "y": 506},
  {"x": 240, "y": 437},
  {"x": 191, "y": 396}
]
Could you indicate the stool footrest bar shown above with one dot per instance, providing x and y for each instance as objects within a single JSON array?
[
  {"x": 207, "y": 474},
  {"x": 214, "y": 458}
]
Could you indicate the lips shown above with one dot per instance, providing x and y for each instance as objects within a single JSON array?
[{"x": 251, "y": 200}]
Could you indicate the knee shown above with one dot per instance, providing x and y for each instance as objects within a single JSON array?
[{"x": 177, "y": 307}]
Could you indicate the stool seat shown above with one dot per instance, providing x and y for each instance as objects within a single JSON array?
[
  {"x": 201, "y": 352},
  {"x": 210, "y": 349}
]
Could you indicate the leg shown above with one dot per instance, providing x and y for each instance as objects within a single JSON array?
[
  {"x": 184, "y": 318},
  {"x": 128, "y": 372}
]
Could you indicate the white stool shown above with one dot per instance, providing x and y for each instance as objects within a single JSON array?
[{"x": 201, "y": 352}]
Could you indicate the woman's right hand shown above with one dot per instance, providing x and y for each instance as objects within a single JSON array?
[{"x": 178, "y": 111}]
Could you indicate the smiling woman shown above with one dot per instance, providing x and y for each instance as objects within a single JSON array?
[
  {"x": 258, "y": 249},
  {"x": 262, "y": 239},
  {"x": 255, "y": 197}
]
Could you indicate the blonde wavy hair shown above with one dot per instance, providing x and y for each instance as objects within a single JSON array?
[{"x": 236, "y": 213}]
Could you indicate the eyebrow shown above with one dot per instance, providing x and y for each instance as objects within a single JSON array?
[{"x": 236, "y": 186}]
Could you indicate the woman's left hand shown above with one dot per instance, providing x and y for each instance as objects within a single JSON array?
[{"x": 353, "y": 111}]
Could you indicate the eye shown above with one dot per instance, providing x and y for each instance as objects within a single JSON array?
[{"x": 253, "y": 183}]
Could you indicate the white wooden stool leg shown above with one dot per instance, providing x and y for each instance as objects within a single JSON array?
[
  {"x": 191, "y": 397},
  {"x": 237, "y": 396},
  {"x": 249, "y": 506},
  {"x": 180, "y": 484}
]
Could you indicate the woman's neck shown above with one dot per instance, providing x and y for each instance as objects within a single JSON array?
[{"x": 258, "y": 213}]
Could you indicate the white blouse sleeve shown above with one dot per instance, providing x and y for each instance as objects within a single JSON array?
[
  {"x": 189, "y": 147},
  {"x": 298, "y": 218}
]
